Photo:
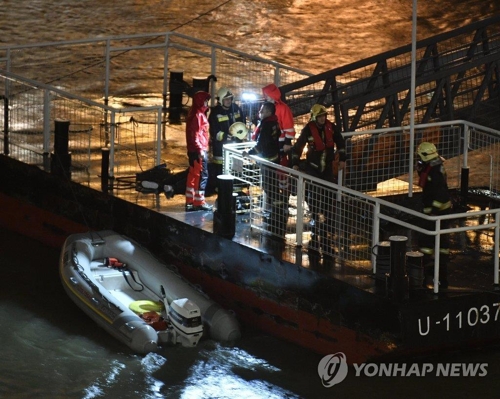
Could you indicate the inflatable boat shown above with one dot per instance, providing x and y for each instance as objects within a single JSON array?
[{"x": 140, "y": 301}]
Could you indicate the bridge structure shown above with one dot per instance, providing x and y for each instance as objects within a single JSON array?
[{"x": 457, "y": 77}]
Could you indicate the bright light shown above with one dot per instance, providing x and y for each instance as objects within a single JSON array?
[{"x": 249, "y": 97}]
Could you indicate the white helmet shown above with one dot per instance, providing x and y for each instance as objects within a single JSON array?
[{"x": 223, "y": 93}]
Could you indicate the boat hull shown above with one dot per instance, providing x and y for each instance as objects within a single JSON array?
[
  {"x": 307, "y": 307},
  {"x": 85, "y": 279}
]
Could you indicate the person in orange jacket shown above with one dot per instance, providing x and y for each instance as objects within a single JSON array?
[
  {"x": 197, "y": 140},
  {"x": 284, "y": 114},
  {"x": 272, "y": 93}
]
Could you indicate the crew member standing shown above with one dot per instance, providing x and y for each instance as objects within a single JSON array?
[
  {"x": 197, "y": 139},
  {"x": 324, "y": 141},
  {"x": 436, "y": 202},
  {"x": 267, "y": 147},
  {"x": 284, "y": 114},
  {"x": 222, "y": 116}
]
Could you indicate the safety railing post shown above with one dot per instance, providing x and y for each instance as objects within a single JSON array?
[{"x": 300, "y": 210}]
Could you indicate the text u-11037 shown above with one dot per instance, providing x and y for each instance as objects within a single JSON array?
[{"x": 471, "y": 317}]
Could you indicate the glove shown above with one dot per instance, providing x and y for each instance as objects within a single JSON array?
[{"x": 220, "y": 136}]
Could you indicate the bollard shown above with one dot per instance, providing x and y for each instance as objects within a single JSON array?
[
  {"x": 176, "y": 88},
  {"x": 61, "y": 158},
  {"x": 225, "y": 215},
  {"x": 6, "y": 109},
  {"x": 61, "y": 136},
  {"x": 399, "y": 281},
  {"x": 383, "y": 261},
  {"x": 464, "y": 187},
  {"x": 415, "y": 269},
  {"x": 104, "y": 170},
  {"x": 200, "y": 84}
]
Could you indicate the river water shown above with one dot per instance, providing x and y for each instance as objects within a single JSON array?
[{"x": 50, "y": 349}]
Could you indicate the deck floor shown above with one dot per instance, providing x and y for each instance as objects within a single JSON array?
[{"x": 469, "y": 271}]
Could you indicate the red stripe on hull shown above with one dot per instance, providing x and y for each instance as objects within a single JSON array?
[
  {"x": 294, "y": 325},
  {"x": 33, "y": 222}
]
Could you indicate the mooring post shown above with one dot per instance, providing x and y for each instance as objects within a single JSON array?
[
  {"x": 6, "y": 150},
  {"x": 415, "y": 269},
  {"x": 176, "y": 88},
  {"x": 105, "y": 169},
  {"x": 399, "y": 281},
  {"x": 464, "y": 186},
  {"x": 61, "y": 158},
  {"x": 225, "y": 215},
  {"x": 200, "y": 84}
]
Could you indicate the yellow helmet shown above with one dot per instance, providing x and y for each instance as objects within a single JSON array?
[
  {"x": 223, "y": 93},
  {"x": 317, "y": 110},
  {"x": 427, "y": 151}
]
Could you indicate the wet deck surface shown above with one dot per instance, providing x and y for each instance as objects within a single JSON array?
[
  {"x": 471, "y": 267},
  {"x": 470, "y": 270}
]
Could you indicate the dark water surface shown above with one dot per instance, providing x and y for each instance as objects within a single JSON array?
[
  {"x": 50, "y": 349},
  {"x": 313, "y": 35}
]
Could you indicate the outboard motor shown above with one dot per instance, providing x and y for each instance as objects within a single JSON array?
[{"x": 185, "y": 318}]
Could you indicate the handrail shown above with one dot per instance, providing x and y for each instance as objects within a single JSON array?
[{"x": 380, "y": 205}]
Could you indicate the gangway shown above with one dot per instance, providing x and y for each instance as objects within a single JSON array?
[{"x": 457, "y": 77}]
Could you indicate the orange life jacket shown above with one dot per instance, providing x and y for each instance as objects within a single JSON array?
[{"x": 319, "y": 144}]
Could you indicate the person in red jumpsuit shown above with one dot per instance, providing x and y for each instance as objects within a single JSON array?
[{"x": 197, "y": 140}]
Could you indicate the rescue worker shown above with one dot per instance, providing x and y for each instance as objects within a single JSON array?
[
  {"x": 267, "y": 147},
  {"x": 222, "y": 116},
  {"x": 436, "y": 202},
  {"x": 197, "y": 139},
  {"x": 285, "y": 119},
  {"x": 284, "y": 114},
  {"x": 324, "y": 143}
]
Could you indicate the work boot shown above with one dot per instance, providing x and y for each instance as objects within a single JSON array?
[{"x": 203, "y": 207}]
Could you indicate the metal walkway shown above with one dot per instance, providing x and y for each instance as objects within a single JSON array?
[{"x": 457, "y": 77}]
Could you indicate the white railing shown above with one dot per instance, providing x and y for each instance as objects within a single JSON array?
[
  {"x": 115, "y": 62},
  {"x": 360, "y": 218},
  {"x": 93, "y": 82}
]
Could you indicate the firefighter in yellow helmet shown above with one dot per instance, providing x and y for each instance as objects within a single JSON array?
[
  {"x": 324, "y": 143},
  {"x": 436, "y": 202}
]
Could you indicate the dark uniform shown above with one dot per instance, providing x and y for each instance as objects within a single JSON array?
[
  {"x": 268, "y": 147},
  {"x": 323, "y": 142},
  {"x": 436, "y": 202},
  {"x": 220, "y": 120}
]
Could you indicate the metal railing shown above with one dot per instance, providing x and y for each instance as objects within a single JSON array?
[
  {"x": 94, "y": 84},
  {"x": 111, "y": 68},
  {"x": 350, "y": 223},
  {"x": 32, "y": 114},
  {"x": 352, "y": 216},
  {"x": 457, "y": 77}
]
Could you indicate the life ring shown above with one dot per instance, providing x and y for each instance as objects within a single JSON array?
[{"x": 145, "y": 305}]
